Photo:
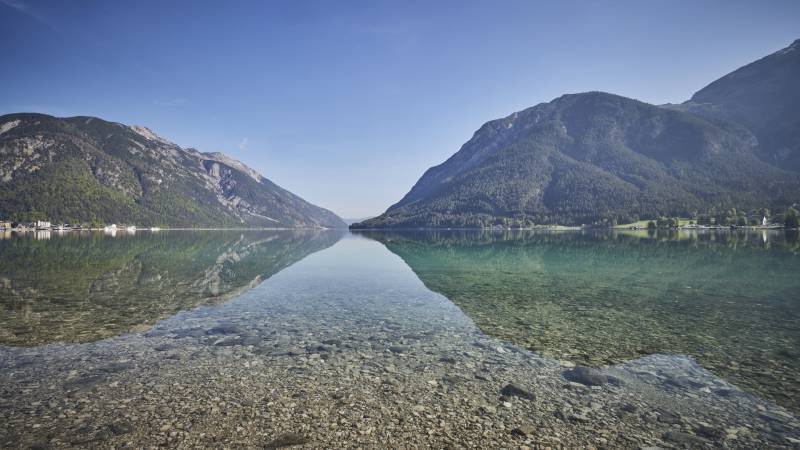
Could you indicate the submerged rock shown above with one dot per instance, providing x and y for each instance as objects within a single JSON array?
[
  {"x": 120, "y": 427},
  {"x": 524, "y": 430},
  {"x": 684, "y": 440},
  {"x": 224, "y": 328},
  {"x": 514, "y": 390},
  {"x": 668, "y": 417},
  {"x": 287, "y": 440},
  {"x": 586, "y": 375}
]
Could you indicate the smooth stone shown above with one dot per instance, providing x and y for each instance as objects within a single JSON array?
[
  {"x": 668, "y": 417},
  {"x": 84, "y": 382},
  {"x": 489, "y": 410},
  {"x": 524, "y": 430},
  {"x": 709, "y": 432},
  {"x": 120, "y": 427},
  {"x": 287, "y": 440},
  {"x": 579, "y": 417},
  {"x": 514, "y": 390},
  {"x": 586, "y": 375},
  {"x": 684, "y": 439},
  {"x": 224, "y": 329},
  {"x": 227, "y": 342}
]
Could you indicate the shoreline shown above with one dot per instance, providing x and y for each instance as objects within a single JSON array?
[{"x": 560, "y": 228}]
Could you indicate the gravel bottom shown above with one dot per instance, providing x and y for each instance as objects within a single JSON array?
[{"x": 360, "y": 362}]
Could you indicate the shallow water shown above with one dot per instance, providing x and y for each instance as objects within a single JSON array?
[
  {"x": 222, "y": 339},
  {"x": 82, "y": 287},
  {"x": 731, "y": 300}
]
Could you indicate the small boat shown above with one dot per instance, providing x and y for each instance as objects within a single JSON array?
[
  {"x": 112, "y": 227},
  {"x": 131, "y": 228}
]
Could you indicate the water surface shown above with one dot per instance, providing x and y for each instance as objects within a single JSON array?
[
  {"x": 81, "y": 287},
  {"x": 731, "y": 300},
  {"x": 254, "y": 339}
]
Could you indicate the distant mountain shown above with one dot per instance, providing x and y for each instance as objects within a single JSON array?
[
  {"x": 763, "y": 97},
  {"x": 598, "y": 158},
  {"x": 351, "y": 220},
  {"x": 81, "y": 169}
]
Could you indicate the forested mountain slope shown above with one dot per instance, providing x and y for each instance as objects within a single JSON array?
[
  {"x": 83, "y": 169},
  {"x": 592, "y": 158}
]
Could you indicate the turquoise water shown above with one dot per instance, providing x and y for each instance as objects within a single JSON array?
[{"x": 729, "y": 299}]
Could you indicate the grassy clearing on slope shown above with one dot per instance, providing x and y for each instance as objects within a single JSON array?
[{"x": 643, "y": 223}]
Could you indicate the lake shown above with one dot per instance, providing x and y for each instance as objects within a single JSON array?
[{"x": 400, "y": 339}]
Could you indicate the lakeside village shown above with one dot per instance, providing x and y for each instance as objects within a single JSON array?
[
  {"x": 43, "y": 225},
  {"x": 788, "y": 219}
]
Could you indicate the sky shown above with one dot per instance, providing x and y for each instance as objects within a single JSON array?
[{"x": 347, "y": 103}]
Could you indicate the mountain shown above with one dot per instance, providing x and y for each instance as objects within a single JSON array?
[
  {"x": 82, "y": 169},
  {"x": 763, "y": 97},
  {"x": 592, "y": 158},
  {"x": 351, "y": 220}
]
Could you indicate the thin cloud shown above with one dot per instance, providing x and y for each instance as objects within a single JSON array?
[
  {"x": 171, "y": 103},
  {"x": 24, "y": 8},
  {"x": 243, "y": 144}
]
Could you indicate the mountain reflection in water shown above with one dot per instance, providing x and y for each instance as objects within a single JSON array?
[
  {"x": 728, "y": 299},
  {"x": 81, "y": 287}
]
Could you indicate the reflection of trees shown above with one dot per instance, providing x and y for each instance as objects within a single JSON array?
[
  {"x": 86, "y": 287},
  {"x": 713, "y": 240},
  {"x": 598, "y": 298}
]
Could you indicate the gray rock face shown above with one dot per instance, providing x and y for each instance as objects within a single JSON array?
[{"x": 764, "y": 98}]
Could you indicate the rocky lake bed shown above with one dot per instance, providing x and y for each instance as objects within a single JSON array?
[{"x": 348, "y": 349}]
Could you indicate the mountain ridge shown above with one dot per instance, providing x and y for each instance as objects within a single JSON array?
[
  {"x": 599, "y": 158},
  {"x": 762, "y": 97},
  {"x": 87, "y": 169},
  {"x": 589, "y": 156}
]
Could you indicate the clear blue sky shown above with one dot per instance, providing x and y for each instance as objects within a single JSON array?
[{"x": 346, "y": 103}]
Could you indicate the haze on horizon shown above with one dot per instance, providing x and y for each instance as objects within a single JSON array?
[{"x": 347, "y": 104}]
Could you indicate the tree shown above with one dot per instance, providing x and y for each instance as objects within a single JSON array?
[{"x": 791, "y": 218}]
